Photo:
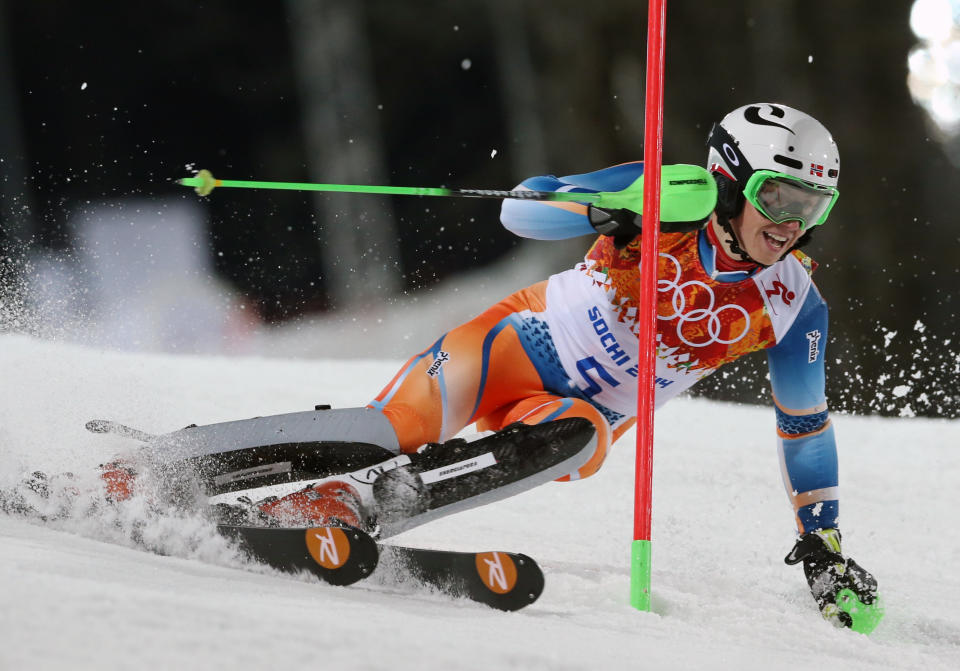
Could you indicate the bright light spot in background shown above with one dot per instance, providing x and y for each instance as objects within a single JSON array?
[
  {"x": 930, "y": 19},
  {"x": 934, "y": 65}
]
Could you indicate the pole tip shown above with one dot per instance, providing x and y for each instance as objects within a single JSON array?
[{"x": 204, "y": 182}]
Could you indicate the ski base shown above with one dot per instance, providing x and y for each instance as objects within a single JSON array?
[{"x": 343, "y": 555}]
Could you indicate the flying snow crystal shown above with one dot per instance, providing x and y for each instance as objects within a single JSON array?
[
  {"x": 465, "y": 64},
  {"x": 810, "y": 58},
  {"x": 493, "y": 153},
  {"x": 83, "y": 86},
  {"x": 901, "y": 390}
]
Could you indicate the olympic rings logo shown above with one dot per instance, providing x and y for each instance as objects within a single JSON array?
[{"x": 679, "y": 302}]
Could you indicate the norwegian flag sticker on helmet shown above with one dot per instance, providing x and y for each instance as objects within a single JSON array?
[{"x": 816, "y": 169}]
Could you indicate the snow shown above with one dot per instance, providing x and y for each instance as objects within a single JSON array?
[{"x": 79, "y": 593}]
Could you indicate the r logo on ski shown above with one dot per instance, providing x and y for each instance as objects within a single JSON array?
[
  {"x": 328, "y": 546},
  {"x": 497, "y": 571}
]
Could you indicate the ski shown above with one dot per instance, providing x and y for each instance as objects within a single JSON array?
[
  {"x": 344, "y": 555},
  {"x": 264, "y": 451},
  {"x": 502, "y": 580},
  {"x": 338, "y": 555}
]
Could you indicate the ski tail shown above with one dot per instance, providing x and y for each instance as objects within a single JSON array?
[
  {"x": 336, "y": 554},
  {"x": 502, "y": 580}
]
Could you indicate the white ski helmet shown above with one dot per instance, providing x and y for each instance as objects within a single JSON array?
[{"x": 769, "y": 136}]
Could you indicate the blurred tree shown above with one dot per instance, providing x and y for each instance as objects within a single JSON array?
[
  {"x": 357, "y": 236},
  {"x": 15, "y": 199}
]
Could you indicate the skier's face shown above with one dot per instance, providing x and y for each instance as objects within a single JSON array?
[{"x": 765, "y": 241}]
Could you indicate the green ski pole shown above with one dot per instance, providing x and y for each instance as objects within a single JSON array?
[
  {"x": 205, "y": 183},
  {"x": 689, "y": 194}
]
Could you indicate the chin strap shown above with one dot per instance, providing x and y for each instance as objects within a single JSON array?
[{"x": 734, "y": 242}]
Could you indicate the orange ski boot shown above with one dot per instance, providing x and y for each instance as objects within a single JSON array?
[
  {"x": 330, "y": 502},
  {"x": 119, "y": 479}
]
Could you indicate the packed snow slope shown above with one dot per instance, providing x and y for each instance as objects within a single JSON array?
[{"x": 78, "y": 593}]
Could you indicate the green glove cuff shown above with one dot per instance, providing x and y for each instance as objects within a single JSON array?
[{"x": 688, "y": 194}]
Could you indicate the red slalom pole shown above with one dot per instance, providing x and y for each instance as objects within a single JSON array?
[{"x": 652, "y": 160}]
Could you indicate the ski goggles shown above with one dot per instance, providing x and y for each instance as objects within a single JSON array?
[{"x": 781, "y": 198}]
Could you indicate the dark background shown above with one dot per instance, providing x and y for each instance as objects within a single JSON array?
[{"x": 107, "y": 99}]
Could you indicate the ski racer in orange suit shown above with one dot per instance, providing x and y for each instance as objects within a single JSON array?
[{"x": 567, "y": 346}]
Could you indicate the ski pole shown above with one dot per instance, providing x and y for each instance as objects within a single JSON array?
[
  {"x": 205, "y": 182},
  {"x": 692, "y": 194}
]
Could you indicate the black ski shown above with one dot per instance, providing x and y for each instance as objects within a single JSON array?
[
  {"x": 335, "y": 554},
  {"x": 344, "y": 555},
  {"x": 501, "y": 580}
]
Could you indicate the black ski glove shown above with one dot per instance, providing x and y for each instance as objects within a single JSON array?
[
  {"x": 845, "y": 593},
  {"x": 624, "y": 225}
]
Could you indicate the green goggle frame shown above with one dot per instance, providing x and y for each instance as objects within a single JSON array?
[{"x": 781, "y": 197}]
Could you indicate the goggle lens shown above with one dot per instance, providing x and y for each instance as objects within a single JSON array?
[{"x": 783, "y": 198}]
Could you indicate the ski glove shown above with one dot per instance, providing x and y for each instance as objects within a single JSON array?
[
  {"x": 624, "y": 225},
  {"x": 845, "y": 593}
]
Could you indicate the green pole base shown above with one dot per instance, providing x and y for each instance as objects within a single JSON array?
[{"x": 640, "y": 575}]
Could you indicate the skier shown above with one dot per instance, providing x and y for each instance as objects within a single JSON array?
[{"x": 732, "y": 281}]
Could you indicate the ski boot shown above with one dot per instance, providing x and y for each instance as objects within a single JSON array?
[
  {"x": 326, "y": 502},
  {"x": 119, "y": 479}
]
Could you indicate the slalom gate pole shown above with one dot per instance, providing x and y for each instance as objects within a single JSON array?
[{"x": 640, "y": 555}]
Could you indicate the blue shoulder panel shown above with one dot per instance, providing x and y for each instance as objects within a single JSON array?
[
  {"x": 543, "y": 220},
  {"x": 614, "y": 178}
]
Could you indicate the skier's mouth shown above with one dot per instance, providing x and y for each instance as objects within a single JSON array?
[{"x": 774, "y": 241}]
